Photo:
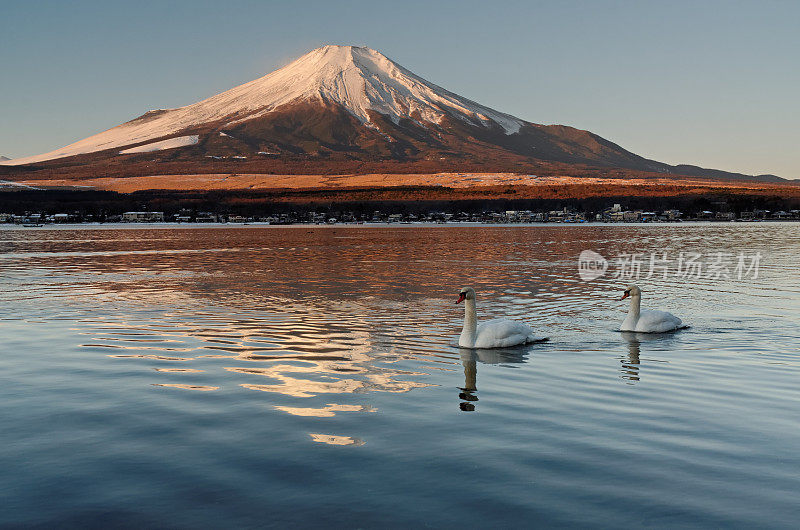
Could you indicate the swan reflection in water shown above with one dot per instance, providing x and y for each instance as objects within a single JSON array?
[
  {"x": 631, "y": 363},
  {"x": 471, "y": 357}
]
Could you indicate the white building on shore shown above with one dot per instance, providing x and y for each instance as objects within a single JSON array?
[{"x": 143, "y": 217}]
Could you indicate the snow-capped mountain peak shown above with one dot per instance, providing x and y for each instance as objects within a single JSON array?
[
  {"x": 359, "y": 79},
  {"x": 362, "y": 79}
]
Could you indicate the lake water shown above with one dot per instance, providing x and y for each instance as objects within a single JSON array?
[{"x": 310, "y": 376}]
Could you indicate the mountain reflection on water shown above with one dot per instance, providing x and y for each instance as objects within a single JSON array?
[
  {"x": 304, "y": 311},
  {"x": 293, "y": 349},
  {"x": 307, "y": 376}
]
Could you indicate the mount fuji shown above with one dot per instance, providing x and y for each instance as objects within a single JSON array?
[{"x": 338, "y": 104}]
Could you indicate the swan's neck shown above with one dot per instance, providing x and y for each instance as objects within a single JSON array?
[
  {"x": 636, "y": 306},
  {"x": 470, "y": 323}
]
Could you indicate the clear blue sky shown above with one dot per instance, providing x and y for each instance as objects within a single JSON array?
[{"x": 714, "y": 83}]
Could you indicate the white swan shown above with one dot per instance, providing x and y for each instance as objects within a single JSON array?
[
  {"x": 500, "y": 333},
  {"x": 647, "y": 321}
]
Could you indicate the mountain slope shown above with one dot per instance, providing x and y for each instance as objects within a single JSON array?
[
  {"x": 359, "y": 79},
  {"x": 345, "y": 103}
]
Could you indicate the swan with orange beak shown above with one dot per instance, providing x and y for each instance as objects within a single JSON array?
[
  {"x": 499, "y": 333},
  {"x": 647, "y": 320}
]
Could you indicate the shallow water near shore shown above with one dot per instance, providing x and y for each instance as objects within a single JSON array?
[{"x": 310, "y": 376}]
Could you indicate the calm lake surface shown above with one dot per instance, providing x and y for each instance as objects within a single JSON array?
[{"x": 310, "y": 376}]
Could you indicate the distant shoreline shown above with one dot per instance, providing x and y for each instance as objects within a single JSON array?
[
  {"x": 166, "y": 225},
  {"x": 473, "y": 197}
]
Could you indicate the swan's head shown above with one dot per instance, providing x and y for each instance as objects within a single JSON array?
[
  {"x": 467, "y": 293},
  {"x": 633, "y": 291}
]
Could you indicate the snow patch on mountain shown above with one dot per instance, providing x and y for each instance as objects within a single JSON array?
[
  {"x": 172, "y": 143},
  {"x": 359, "y": 79},
  {"x": 8, "y": 185}
]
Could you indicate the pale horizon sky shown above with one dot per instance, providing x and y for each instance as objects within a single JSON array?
[{"x": 711, "y": 83}]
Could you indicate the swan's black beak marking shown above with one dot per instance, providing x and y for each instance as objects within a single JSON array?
[
  {"x": 625, "y": 295},
  {"x": 461, "y": 297}
]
